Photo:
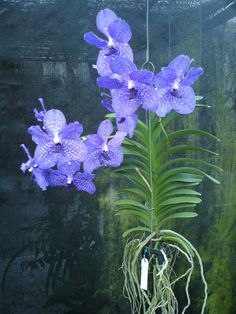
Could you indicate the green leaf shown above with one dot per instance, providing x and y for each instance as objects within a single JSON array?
[
  {"x": 177, "y": 216},
  {"x": 181, "y": 199},
  {"x": 137, "y": 229}
]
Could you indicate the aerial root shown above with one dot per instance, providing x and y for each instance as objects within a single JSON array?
[{"x": 162, "y": 278}]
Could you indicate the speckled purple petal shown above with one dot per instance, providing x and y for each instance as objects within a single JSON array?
[
  {"x": 94, "y": 40},
  {"x": 181, "y": 64},
  {"x": 68, "y": 168},
  {"x": 41, "y": 178},
  {"x": 122, "y": 66},
  {"x": 107, "y": 104},
  {"x": 56, "y": 178},
  {"x": 185, "y": 102},
  {"x": 164, "y": 105},
  {"x": 143, "y": 76},
  {"x": 127, "y": 124},
  {"x": 122, "y": 104},
  {"x": 104, "y": 57},
  {"x": 148, "y": 97},
  {"x": 104, "y": 19},
  {"x": 105, "y": 129},
  {"x": 114, "y": 158},
  {"x": 109, "y": 83},
  {"x": 120, "y": 31},
  {"x": 117, "y": 140},
  {"x": 165, "y": 78},
  {"x": 74, "y": 150},
  {"x": 72, "y": 131},
  {"x": 38, "y": 136},
  {"x": 46, "y": 156},
  {"x": 191, "y": 76},
  {"x": 38, "y": 115},
  {"x": 83, "y": 182},
  {"x": 54, "y": 121},
  {"x": 93, "y": 142},
  {"x": 92, "y": 161}
]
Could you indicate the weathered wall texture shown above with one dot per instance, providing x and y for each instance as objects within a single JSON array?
[{"x": 42, "y": 54}]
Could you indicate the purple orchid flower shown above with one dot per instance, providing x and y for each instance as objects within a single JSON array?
[
  {"x": 173, "y": 86},
  {"x": 40, "y": 176},
  {"x": 68, "y": 174},
  {"x": 40, "y": 115},
  {"x": 124, "y": 124},
  {"x": 59, "y": 140},
  {"x": 129, "y": 87},
  {"x": 101, "y": 151},
  {"x": 118, "y": 34}
]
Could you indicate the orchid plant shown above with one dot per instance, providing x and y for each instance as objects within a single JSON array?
[{"x": 162, "y": 178}]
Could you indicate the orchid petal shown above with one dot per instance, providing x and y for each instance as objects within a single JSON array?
[
  {"x": 92, "y": 161},
  {"x": 122, "y": 66},
  {"x": 69, "y": 168},
  {"x": 165, "y": 78},
  {"x": 72, "y": 131},
  {"x": 107, "y": 104},
  {"x": 120, "y": 31},
  {"x": 56, "y": 178},
  {"x": 105, "y": 129},
  {"x": 127, "y": 124},
  {"x": 41, "y": 178},
  {"x": 181, "y": 64},
  {"x": 93, "y": 142},
  {"x": 185, "y": 102},
  {"x": 122, "y": 104},
  {"x": 46, "y": 155},
  {"x": 83, "y": 182},
  {"x": 94, "y": 40},
  {"x": 143, "y": 76},
  {"x": 117, "y": 140},
  {"x": 164, "y": 105},
  {"x": 148, "y": 97},
  {"x": 54, "y": 121},
  {"x": 38, "y": 136},
  {"x": 115, "y": 158},
  {"x": 104, "y": 57},
  {"x": 108, "y": 83},
  {"x": 74, "y": 150},
  {"x": 104, "y": 19},
  {"x": 192, "y": 76}
]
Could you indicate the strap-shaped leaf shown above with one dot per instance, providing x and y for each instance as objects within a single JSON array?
[
  {"x": 177, "y": 216},
  {"x": 130, "y": 203},
  {"x": 137, "y": 229},
  {"x": 180, "y": 200},
  {"x": 189, "y": 170},
  {"x": 188, "y": 160},
  {"x": 182, "y": 149},
  {"x": 143, "y": 216}
]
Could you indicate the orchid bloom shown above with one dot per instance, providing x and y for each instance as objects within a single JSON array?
[
  {"x": 60, "y": 139},
  {"x": 68, "y": 174},
  {"x": 102, "y": 151},
  {"x": 118, "y": 34},
  {"x": 129, "y": 87},
  {"x": 173, "y": 86}
]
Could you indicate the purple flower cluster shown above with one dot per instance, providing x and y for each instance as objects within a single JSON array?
[
  {"x": 131, "y": 88},
  {"x": 62, "y": 158}
]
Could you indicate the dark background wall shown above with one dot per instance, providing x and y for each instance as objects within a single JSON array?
[{"x": 75, "y": 237}]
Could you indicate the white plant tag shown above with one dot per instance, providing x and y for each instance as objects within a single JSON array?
[{"x": 144, "y": 274}]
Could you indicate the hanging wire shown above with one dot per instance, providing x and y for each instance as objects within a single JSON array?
[{"x": 147, "y": 61}]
